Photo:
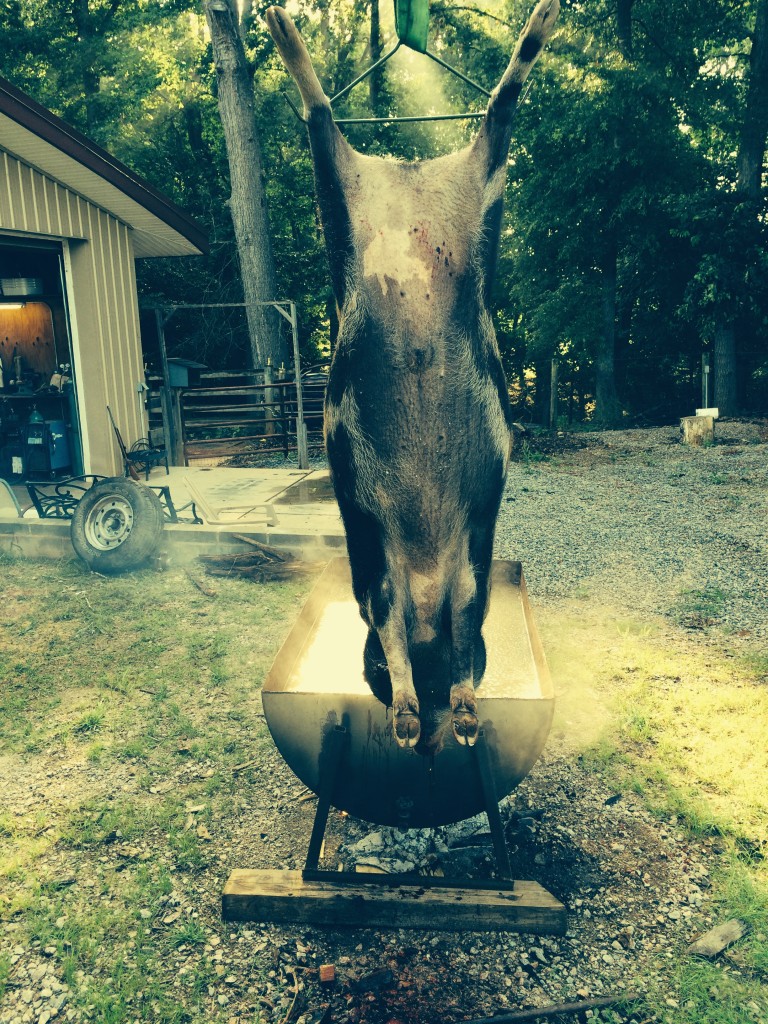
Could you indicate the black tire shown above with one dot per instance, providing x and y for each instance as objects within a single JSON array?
[{"x": 117, "y": 525}]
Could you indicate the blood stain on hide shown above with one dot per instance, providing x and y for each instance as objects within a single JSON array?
[{"x": 419, "y": 359}]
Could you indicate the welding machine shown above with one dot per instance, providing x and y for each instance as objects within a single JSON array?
[{"x": 47, "y": 447}]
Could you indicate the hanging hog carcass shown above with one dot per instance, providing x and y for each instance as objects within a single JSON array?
[{"x": 417, "y": 418}]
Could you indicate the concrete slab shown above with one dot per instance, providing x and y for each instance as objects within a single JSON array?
[{"x": 287, "y": 508}]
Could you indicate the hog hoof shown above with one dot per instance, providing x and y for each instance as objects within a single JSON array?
[
  {"x": 281, "y": 26},
  {"x": 406, "y": 723},
  {"x": 465, "y": 726},
  {"x": 542, "y": 20},
  {"x": 464, "y": 716},
  {"x": 407, "y": 729}
]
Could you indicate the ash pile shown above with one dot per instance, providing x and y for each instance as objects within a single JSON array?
[{"x": 461, "y": 850}]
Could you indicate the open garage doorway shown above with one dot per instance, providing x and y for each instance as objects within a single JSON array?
[{"x": 40, "y": 435}]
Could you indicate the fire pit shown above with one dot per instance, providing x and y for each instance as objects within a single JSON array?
[
  {"x": 316, "y": 685},
  {"x": 337, "y": 737}
]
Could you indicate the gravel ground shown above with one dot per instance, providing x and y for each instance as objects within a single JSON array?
[
  {"x": 636, "y": 517},
  {"x": 632, "y": 517}
]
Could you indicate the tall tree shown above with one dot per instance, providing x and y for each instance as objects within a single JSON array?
[
  {"x": 745, "y": 211},
  {"x": 247, "y": 202}
]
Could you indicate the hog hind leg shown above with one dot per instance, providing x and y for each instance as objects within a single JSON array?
[
  {"x": 331, "y": 153},
  {"x": 492, "y": 141},
  {"x": 296, "y": 57}
]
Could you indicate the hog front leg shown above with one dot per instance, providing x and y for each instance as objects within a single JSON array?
[
  {"x": 463, "y": 701},
  {"x": 470, "y": 595},
  {"x": 380, "y": 590},
  {"x": 406, "y": 723}
]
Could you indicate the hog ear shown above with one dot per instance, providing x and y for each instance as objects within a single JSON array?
[
  {"x": 296, "y": 58},
  {"x": 530, "y": 44}
]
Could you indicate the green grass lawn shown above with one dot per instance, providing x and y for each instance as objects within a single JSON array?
[{"x": 680, "y": 718}]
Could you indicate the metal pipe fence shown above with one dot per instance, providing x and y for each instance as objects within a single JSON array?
[{"x": 246, "y": 420}]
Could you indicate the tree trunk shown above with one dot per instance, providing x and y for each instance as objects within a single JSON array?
[
  {"x": 248, "y": 205},
  {"x": 749, "y": 161},
  {"x": 542, "y": 369},
  {"x": 374, "y": 80},
  {"x": 607, "y": 405},
  {"x": 91, "y": 78},
  {"x": 725, "y": 370},
  {"x": 749, "y": 171},
  {"x": 624, "y": 27}
]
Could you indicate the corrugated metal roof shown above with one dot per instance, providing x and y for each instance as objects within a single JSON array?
[{"x": 33, "y": 134}]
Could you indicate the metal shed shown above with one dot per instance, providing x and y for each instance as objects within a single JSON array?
[{"x": 72, "y": 222}]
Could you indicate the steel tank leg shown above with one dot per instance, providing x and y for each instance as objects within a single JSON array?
[
  {"x": 484, "y": 770},
  {"x": 331, "y": 757}
]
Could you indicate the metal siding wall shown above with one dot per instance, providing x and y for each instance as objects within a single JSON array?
[
  {"x": 103, "y": 301},
  {"x": 31, "y": 202},
  {"x": 5, "y": 188}
]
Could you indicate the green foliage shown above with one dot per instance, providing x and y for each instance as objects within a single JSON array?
[{"x": 623, "y": 162}]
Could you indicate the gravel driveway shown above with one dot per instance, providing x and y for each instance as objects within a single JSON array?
[{"x": 637, "y": 518}]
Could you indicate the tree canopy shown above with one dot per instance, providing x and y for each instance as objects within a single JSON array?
[{"x": 635, "y": 236}]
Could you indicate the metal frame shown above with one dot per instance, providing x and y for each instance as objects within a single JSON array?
[
  {"x": 61, "y": 504},
  {"x": 333, "y": 753},
  {"x": 287, "y": 310},
  {"x": 399, "y": 120}
]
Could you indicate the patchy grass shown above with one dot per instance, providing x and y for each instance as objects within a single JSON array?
[
  {"x": 130, "y": 701},
  {"x": 683, "y": 726},
  {"x": 698, "y": 609},
  {"x": 126, "y": 702}
]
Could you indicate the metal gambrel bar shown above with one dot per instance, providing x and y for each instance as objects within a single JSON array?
[
  {"x": 401, "y": 120},
  {"x": 455, "y": 71},
  {"x": 413, "y": 118},
  {"x": 397, "y": 119},
  {"x": 365, "y": 74}
]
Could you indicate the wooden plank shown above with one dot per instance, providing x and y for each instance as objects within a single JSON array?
[{"x": 284, "y": 897}]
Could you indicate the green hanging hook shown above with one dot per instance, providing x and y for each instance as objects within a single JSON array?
[
  {"x": 412, "y": 23},
  {"x": 412, "y": 29}
]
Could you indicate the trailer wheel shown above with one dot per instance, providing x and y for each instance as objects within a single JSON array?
[{"x": 117, "y": 525}]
